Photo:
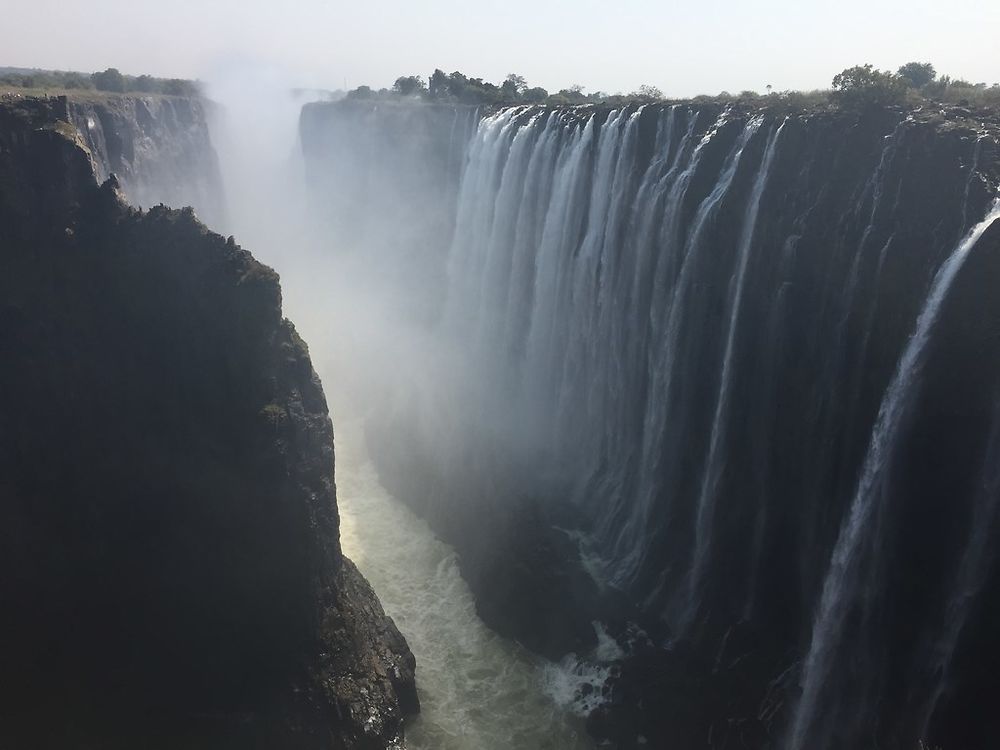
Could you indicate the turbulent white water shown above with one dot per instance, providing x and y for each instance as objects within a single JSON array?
[{"x": 478, "y": 691}]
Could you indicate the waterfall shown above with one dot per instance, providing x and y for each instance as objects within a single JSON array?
[
  {"x": 687, "y": 331},
  {"x": 707, "y": 497},
  {"x": 664, "y": 357},
  {"x": 840, "y": 584},
  {"x": 664, "y": 185}
]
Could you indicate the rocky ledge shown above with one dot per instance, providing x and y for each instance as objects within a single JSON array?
[{"x": 168, "y": 523}]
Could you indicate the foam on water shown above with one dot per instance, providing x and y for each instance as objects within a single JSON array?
[{"x": 576, "y": 684}]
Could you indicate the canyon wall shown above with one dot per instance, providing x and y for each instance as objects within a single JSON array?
[
  {"x": 167, "y": 504},
  {"x": 740, "y": 365},
  {"x": 159, "y": 148}
]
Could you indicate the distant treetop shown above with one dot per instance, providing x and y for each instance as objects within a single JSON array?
[
  {"x": 864, "y": 85},
  {"x": 917, "y": 75}
]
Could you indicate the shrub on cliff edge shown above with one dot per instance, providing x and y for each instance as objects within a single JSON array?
[
  {"x": 866, "y": 86},
  {"x": 917, "y": 74}
]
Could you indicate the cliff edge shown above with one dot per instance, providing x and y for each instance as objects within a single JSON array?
[{"x": 170, "y": 541}]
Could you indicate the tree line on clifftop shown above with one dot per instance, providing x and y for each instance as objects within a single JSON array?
[
  {"x": 856, "y": 87},
  {"x": 458, "y": 88},
  {"x": 865, "y": 85},
  {"x": 109, "y": 81}
]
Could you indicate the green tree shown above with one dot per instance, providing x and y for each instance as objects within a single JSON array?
[
  {"x": 75, "y": 81},
  {"x": 179, "y": 87},
  {"x": 145, "y": 83},
  {"x": 438, "y": 84},
  {"x": 482, "y": 92},
  {"x": 866, "y": 86},
  {"x": 361, "y": 92},
  {"x": 535, "y": 95},
  {"x": 457, "y": 84},
  {"x": 573, "y": 95},
  {"x": 109, "y": 80},
  {"x": 513, "y": 87},
  {"x": 409, "y": 86},
  {"x": 937, "y": 87},
  {"x": 917, "y": 74},
  {"x": 650, "y": 93}
]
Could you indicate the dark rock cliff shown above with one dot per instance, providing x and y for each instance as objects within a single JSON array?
[
  {"x": 172, "y": 568},
  {"x": 159, "y": 147}
]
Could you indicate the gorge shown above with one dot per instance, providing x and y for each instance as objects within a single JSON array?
[
  {"x": 735, "y": 363},
  {"x": 700, "y": 398}
]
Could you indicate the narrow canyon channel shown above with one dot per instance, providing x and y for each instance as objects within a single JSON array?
[{"x": 478, "y": 691}]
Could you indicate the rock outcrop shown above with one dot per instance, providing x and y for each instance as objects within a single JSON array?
[
  {"x": 158, "y": 147},
  {"x": 168, "y": 522}
]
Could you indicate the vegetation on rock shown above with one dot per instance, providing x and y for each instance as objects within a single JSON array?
[
  {"x": 865, "y": 85},
  {"x": 855, "y": 87},
  {"x": 917, "y": 75},
  {"x": 111, "y": 80},
  {"x": 458, "y": 88}
]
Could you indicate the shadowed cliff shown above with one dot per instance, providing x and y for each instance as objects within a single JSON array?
[{"x": 173, "y": 574}]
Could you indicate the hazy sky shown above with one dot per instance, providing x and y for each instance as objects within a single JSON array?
[{"x": 700, "y": 46}]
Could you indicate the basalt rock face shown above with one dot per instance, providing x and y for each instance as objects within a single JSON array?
[
  {"x": 751, "y": 352},
  {"x": 158, "y": 147},
  {"x": 172, "y": 568}
]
